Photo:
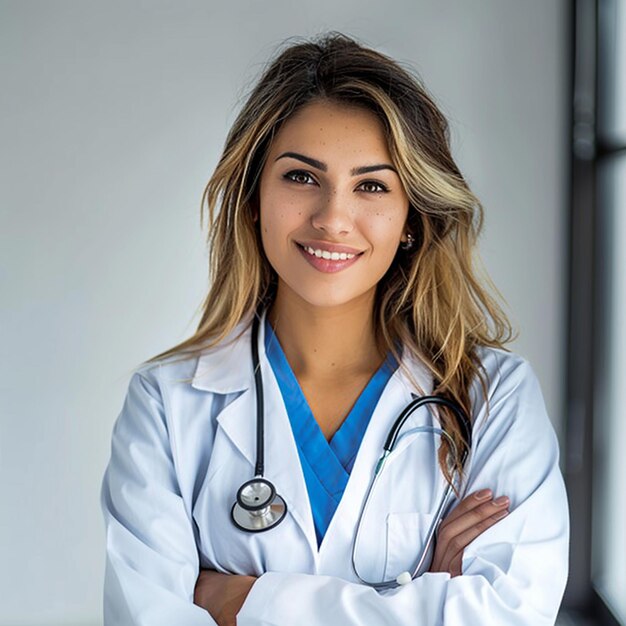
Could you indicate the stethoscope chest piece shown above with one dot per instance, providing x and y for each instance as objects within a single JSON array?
[{"x": 258, "y": 507}]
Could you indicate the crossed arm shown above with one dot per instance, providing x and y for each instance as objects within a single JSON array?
[{"x": 223, "y": 595}]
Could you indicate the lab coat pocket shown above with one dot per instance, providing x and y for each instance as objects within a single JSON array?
[{"x": 406, "y": 539}]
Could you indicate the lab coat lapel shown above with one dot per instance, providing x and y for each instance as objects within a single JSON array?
[{"x": 228, "y": 370}]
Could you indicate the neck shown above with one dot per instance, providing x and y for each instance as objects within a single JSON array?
[{"x": 321, "y": 343}]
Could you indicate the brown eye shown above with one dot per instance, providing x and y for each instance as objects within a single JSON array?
[
  {"x": 371, "y": 186},
  {"x": 299, "y": 176}
]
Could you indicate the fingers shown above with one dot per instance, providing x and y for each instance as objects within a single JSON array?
[
  {"x": 464, "y": 530},
  {"x": 467, "y": 504},
  {"x": 472, "y": 516},
  {"x": 471, "y": 511}
]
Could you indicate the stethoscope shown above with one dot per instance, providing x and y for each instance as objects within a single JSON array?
[{"x": 259, "y": 507}]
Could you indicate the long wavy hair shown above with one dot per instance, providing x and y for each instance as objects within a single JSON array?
[{"x": 431, "y": 300}]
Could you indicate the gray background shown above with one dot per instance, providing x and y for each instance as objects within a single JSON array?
[{"x": 113, "y": 118}]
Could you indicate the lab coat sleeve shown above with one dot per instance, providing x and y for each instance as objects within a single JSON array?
[
  {"x": 513, "y": 574},
  {"x": 151, "y": 556}
]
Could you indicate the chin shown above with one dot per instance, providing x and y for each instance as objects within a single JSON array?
[{"x": 325, "y": 297}]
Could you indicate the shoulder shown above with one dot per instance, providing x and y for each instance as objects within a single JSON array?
[
  {"x": 511, "y": 398},
  {"x": 504, "y": 372},
  {"x": 221, "y": 368},
  {"x": 152, "y": 385},
  {"x": 503, "y": 367},
  {"x": 161, "y": 373}
]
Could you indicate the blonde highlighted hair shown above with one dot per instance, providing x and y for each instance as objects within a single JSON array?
[{"x": 431, "y": 301}]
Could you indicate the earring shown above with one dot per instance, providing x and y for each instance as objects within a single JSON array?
[{"x": 408, "y": 244}]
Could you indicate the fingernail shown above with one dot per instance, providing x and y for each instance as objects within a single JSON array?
[
  {"x": 501, "y": 514},
  {"x": 483, "y": 494},
  {"x": 500, "y": 501}
]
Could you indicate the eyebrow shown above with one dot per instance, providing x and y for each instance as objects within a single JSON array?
[{"x": 355, "y": 171}]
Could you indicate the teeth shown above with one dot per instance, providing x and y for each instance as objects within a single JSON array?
[{"x": 325, "y": 254}]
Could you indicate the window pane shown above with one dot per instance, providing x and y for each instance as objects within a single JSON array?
[
  {"x": 612, "y": 75},
  {"x": 609, "y": 515}
]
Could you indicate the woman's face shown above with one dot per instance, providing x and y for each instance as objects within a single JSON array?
[{"x": 332, "y": 207}]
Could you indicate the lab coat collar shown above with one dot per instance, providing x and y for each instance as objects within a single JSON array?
[{"x": 227, "y": 368}]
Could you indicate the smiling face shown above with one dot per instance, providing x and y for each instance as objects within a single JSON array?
[{"x": 332, "y": 207}]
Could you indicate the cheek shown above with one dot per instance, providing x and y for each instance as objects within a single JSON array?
[
  {"x": 385, "y": 227},
  {"x": 276, "y": 228},
  {"x": 280, "y": 216}
]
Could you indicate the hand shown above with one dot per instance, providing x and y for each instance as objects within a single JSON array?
[
  {"x": 222, "y": 595},
  {"x": 470, "y": 518}
]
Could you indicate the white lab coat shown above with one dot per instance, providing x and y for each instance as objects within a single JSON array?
[{"x": 185, "y": 441}]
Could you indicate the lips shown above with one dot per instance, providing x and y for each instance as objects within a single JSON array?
[
  {"x": 328, "y": 247},
  {"x": 328, "y": 258}
]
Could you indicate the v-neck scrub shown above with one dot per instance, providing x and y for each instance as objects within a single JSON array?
[{"x": 326, "y": 465}]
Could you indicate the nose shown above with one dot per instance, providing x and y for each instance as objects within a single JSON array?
[{"x": 333, "y": 214}]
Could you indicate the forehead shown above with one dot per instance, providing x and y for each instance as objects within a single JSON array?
[{"x": 323, "y": 126}]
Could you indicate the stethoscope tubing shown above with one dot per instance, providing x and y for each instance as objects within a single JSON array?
[
  {"x": 415, "y": 404},
  {"x": 437, "y": 518},
  {"x": 260, "y": 514},
  {"x": 259, "y": 469}
]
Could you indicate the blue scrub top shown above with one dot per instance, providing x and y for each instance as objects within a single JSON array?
[{"x": 326, "y": 464}]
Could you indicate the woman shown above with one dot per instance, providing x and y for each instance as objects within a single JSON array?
[{"x": 347, "y": 232}]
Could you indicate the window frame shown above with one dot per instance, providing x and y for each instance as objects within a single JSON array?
[{"x": 589, "y": 46}]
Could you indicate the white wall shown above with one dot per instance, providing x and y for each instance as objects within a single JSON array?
[{"x": 113, "y": 117}]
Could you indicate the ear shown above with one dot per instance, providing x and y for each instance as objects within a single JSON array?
[
  {"x": 254, "y": 210},
  {"x": 408, "y": 229},
  {"x": 254, "y": 206}
]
